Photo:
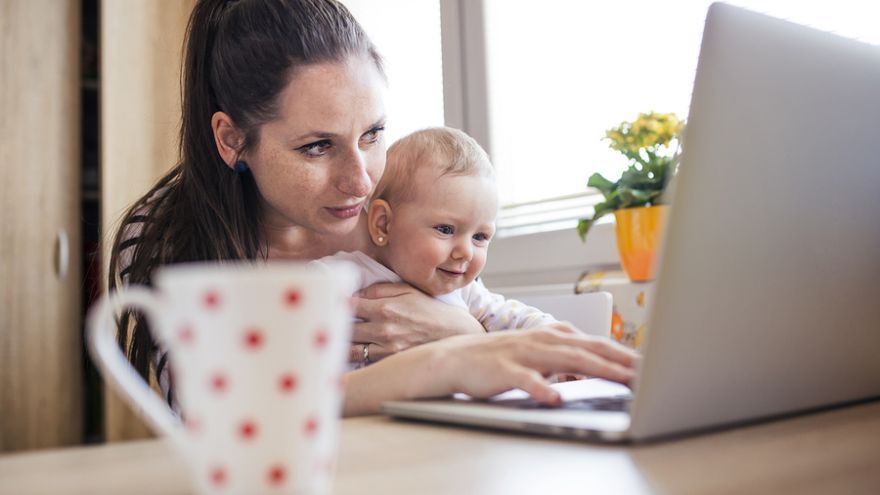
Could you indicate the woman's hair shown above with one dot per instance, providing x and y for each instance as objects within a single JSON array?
[
  {"x": 239, "y": 56},
  {"x": 447, "y": 150}
]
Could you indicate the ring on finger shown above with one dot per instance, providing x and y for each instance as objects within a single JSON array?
[{"x": 367, "y": 353}]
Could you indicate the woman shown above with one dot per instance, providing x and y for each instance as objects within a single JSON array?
[{"x": 281, "y": 145}]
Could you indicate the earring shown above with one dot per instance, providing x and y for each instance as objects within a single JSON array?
[
  {"x": 240, "y": 166},
  {"x": 380, "y": 239}
]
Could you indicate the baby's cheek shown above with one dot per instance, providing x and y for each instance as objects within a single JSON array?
[
  {"x": 477, "y": 264},
  {"x": 413, "y": 263}
]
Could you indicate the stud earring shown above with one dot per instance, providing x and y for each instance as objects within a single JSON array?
[
  {"x": 380, "y": 239},
  {"x": 240, "y": 166}
]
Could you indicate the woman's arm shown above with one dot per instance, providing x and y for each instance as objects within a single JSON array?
[
  {"x": 486, "y": 365},
  {"x": 395, "y": 317}
]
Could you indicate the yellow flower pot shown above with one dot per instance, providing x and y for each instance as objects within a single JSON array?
[{"x": 639, "y": 232}]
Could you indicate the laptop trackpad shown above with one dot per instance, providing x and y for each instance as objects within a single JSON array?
[{"x": 591, "y": 394}]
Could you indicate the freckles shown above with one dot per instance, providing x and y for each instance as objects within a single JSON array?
[
  {"x": 376, "y": 167},
  {"x": 281, "y": 175}
]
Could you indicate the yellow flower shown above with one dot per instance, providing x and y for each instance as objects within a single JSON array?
[{"x": 649, "y": 131}]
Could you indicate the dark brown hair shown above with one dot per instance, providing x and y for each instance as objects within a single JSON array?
[{"x": 239, "y": 56}]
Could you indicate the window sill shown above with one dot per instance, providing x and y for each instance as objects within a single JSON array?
[{"x": 551, "y": 256}]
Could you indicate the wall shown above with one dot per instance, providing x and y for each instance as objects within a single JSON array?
[{"x": 140, "y": 116}]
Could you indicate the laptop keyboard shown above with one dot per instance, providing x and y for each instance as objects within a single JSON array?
[{"x": 617, "y": 403}]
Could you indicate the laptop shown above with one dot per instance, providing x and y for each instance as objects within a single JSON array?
[{"x": 768, "y": 291}]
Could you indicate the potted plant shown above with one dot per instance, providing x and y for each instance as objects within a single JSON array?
[{"x": 651, "y": 144}]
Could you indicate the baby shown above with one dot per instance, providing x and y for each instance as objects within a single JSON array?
[{"x": 430, "y": 222}]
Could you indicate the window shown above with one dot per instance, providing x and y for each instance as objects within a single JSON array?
[
  {"x": 538, "y": 83},
  {"x": 558, "y": 73},
  {"x": 407, "y": 35}
]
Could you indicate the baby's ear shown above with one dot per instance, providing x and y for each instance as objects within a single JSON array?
[{"x": 379, "y": 221}]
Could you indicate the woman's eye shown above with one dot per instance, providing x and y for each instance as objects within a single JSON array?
[
  {"x": 444, "y": 229},
  {"x": 318, "y": 148},
  {"x": 373, "y": 135}
]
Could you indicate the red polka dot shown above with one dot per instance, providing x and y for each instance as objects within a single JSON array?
[
  {"x": 320, "y": 339},
  {"x": 292, "y": 298},
  {"x": 276, "y": 475},
  {"x": 219, "y": 382},
  {"x": 192, "y": 425},
  {"x": 287, "y": 382},
  {"x": 211, "y": 299},
  {"x": 247, "y": 430},
  {"x": 218, "y": 476},
  {"x": 253, "y": 338},
  {"x": 185, "y": 335},
  {"x": 311, "y": 426}
]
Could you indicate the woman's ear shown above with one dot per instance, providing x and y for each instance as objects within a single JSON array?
[
  {"x": 228, "y": 138},
  {"x": 379, "y": 221}
]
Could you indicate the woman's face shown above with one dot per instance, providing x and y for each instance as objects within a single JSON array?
[{"x": 316, "y": 164}]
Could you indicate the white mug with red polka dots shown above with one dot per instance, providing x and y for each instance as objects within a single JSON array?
[{"x": 257, "y": 354}]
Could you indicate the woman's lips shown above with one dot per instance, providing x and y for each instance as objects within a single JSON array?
[{"x": 344, "y": 212}]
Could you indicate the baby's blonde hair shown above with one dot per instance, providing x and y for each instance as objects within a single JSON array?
[{"x": 450, "y": 151}]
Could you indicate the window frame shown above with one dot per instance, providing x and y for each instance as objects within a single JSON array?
[{"x": 554, "y": 252}]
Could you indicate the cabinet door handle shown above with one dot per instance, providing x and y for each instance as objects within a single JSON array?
[{"x": 62, "y": 254}]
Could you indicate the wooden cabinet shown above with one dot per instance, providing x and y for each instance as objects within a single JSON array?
[
  {"x": 40, "y": 329},
  {"x": 41, "y": 216}
]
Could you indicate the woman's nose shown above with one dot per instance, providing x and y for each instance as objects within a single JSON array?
[{"x": 353, "y": 177}]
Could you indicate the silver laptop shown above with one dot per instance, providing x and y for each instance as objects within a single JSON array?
[{"x": 768, "y": 293}]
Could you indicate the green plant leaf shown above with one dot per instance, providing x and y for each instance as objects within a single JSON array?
[
  {"x": 631, "y": 198},
  {"x": 605, "y": 207},
  {"x": 604, "y": 185},
  {"x": 583, "y": 227},
  {"x": 599, "y": 211}
]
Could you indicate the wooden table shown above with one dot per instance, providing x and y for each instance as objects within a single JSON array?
[{"x": 835, "y": 451}]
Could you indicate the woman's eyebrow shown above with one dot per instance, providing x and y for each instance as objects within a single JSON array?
[
  {"x": 314, "y": 135},
  {"x": 329, "y": 135}
]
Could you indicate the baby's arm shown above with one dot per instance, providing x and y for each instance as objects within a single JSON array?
[{"x": 496, "y": 313}]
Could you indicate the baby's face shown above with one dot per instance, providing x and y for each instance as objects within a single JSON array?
[{"x": 438, "y": 241}]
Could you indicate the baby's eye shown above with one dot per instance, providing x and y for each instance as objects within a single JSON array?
[
  {"x": 444, "y": 229},
  {"x": 318, "y": 148},
  {"x": 482, "y": 237}
]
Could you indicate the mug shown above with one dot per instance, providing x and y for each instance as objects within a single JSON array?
[{"x": 257, "y": 353}]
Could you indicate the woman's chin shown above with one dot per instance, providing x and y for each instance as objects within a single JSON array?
[{"x": 338, "y": 227}]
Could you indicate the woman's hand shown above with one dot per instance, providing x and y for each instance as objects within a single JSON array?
[
  {"x": 485, "y": 365},
  {"x": 396, "y": 317},
  {"x": 523, "y": 359}
]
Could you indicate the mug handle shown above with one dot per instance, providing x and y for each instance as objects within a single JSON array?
[{"x": 114, "y": 366}]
